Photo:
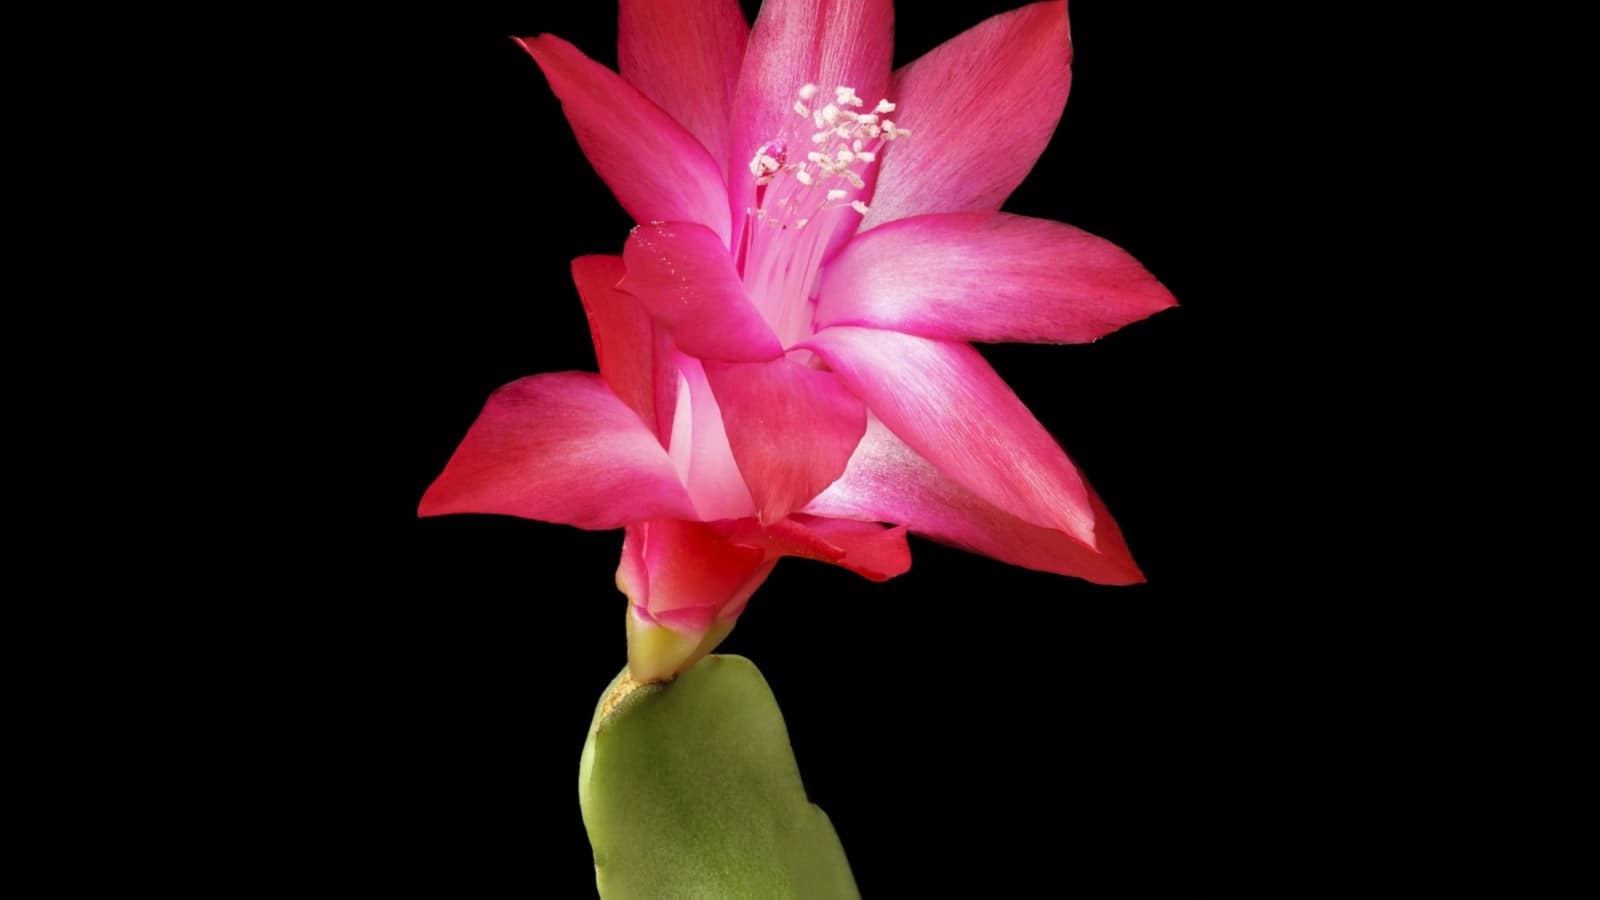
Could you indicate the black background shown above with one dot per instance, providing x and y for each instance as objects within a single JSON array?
[{"x": 971, "y": 728}]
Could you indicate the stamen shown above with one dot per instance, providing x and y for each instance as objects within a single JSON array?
[{"x": 780, "y": 255}]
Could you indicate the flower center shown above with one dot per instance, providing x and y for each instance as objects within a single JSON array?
[{"x": 801, "y": 201}]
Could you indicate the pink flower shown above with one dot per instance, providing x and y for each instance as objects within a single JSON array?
[{"x": 783, "y": 343}]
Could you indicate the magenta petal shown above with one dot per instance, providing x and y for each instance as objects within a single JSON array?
[
  {"x": 685, "y": 57},
  {"x": 559, "y": 447},
  {"x": 988, "y": 277},
  {"x": 635, "y": 354},
  {"x": 945, "y": 401},
  {"x": 792, "y": 429},
  {"x": 685, "y": 278},
  {"x": 981, "y": 108},
  {"x": 656, "y": 169},
  {"x": 829, "y": 43},
  {"x": 624, "y": 337},
  {"x": 888, "y": 480}
]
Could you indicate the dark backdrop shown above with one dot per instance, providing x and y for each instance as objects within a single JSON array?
[{"x": 971, "y": 728}]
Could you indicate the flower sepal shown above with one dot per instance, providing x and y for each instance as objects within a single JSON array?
[{"x": 658, "y": 652}]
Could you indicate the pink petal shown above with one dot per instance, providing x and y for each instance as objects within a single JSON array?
[
  {"x": 829, "y": 43},
  {"x": 683, "y": 275},
  {"x": 685, "y": 57},
  {"x": 624, "y": 337},
  {"x": 792, "y": 429},
  {"x": 687, "y": 574},
  {"x": 559, "y": 447},
  {"x": 987, "y": 277},
  {"x": 656, "y": 169},
  {"x": 888, "y": 480},
  {"x": 701, "y": 450},
  {"x": 946, "y": 402},
  {"x": 981, "y": 108}
]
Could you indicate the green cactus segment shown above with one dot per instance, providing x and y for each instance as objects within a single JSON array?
[{"x": 690, "y": 790}]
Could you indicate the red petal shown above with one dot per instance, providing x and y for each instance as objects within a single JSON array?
[
  {"x": 981, "y": 108},
  {"x": 685, "y": 56},
  {"x": 656, "y": 169},
  {"x": 947, "y": 403},
  {"x": 792, "y": 429},
  {"x": 559, "y": 447},
  {"x": 682, "y": 572},
  {"x": 624, "y": 336},
  {"x": 887, "y": 480},
  {"x": 987, "y": 277},
  {"x": 683, "y": 275},
  {"x": 873, "y": 551}
]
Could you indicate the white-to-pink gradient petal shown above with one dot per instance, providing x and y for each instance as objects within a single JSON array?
[
  {"x": 792, "y": 429},
  {"x": 981, "y": 108},
  {"x": 888, "y": 480},
  {"x": 700, "y": 450},
  {"x": 987, "y": 277},
  {"x": 559, "y": 447},
  {"x": 657, "y": 170},
  {"x": 685, "y": 56},
  {"x": 685, "y": 278},
  {"x": 945, "y": 401}
]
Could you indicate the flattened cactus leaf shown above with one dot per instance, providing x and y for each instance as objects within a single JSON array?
[{"x": 690, "y": 790}]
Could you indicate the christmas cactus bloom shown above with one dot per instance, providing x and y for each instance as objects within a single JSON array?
[{"x": 783, "y": 344}]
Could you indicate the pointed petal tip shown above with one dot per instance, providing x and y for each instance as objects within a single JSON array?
[
  {"x": 428, "y": 506},
  {"x": 1122, "y": 572},
  {"x": 677, "y": 180},
  {"x": 526, "y": 43}
]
